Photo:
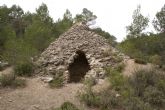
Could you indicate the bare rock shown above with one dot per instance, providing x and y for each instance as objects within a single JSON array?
[{"x": 46, "y": 79}]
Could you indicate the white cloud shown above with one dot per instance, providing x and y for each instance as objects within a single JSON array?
[{"x": 113, "y": 15}]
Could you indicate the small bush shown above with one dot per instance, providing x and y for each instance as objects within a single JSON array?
[
  {"x": 115, "y": 76},
  {"x": 1, "y": 68},
  {"x": 145, "y": 78},
  {"x": 140, "y": 61},
  {"x": 11, "y": 80},
  {"x": 117, "y": 80},
  {"x": 117, "y": 59},
  {"x": 135, "y": 103},
  {"x": 108, "y": 100},
  {"x": 19, "y": 83},
  {"x": 24, "y": 69},
  {"x": 104, "y": 100},
  {"x": 90, "y": 98},
  {"x": 7, "y": 79},
  {"x": 144, "y": 90},
  {"x": 154, "y": 96},
  {"x": 160, "y": 84},
  {"x": 149, "y": 85},
  {"x": 163, "y": 67},
  {"x": 57, "y": 82},
  {"x": 67, "y": 106},
  {"x": 156, "y": 59},
  {"x": 117, "y": 69},
  {"x": 120, "y": 67},
  {"x": 108, "y": 70},
  {"x": 90, "y": 81}
]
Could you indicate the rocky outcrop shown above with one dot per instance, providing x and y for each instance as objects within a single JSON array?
[{"x": 62, "y": 52}]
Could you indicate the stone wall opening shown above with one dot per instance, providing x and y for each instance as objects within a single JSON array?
[{"x": 79, "y": 67}]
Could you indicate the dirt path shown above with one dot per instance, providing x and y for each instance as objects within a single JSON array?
[
  {"x": 38, "y": 96},
  {"x": 8, "y": 70},
  {"x": 131, "y": 66}
]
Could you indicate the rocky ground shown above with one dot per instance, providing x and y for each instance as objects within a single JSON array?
[{"x": 37, "y": 95}]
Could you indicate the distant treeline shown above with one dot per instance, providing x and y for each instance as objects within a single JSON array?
[
  {"x": 24, "y": 35},
  {"x": 148, "y": 46}
]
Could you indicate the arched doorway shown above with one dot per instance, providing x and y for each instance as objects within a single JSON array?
[{"x": 79, "y": 67}]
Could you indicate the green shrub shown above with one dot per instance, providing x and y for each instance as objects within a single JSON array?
[
  {"x": 156, "y": 59},
  {"x": 117, "y": 69},
  {"x": 89, "y": 81},
  {"x": 154, "y": 96},
  {"x": 115, "y": 76},
  {"x": 163, "y": 67},
  {"x": 57, "y": 82},
  {"x": 117, "y": 80},
  {"x": 135, "y": 103},
  {"x": 7, "y": 79},
  {"x": 105, "y": 100},
  {"x": 141, "y": 79},
  {"x": 116, "y": 59},
  {"x": 11, "y": 80},
  {"x": 144, "y": 78},
  {"x": 108, "y": 70},
  {"x": 1, "y": 68},
  {"x": 24, "y": 69},
  {"x": 120, "y": 67},
  {"x": 140, "y": 61},
  {"x": 67, "y": 106},
  {"x": 144, "y": 90},
  {"x": 90, "y": 98},
  {"x": 160, "y": 84},
  {"x": 149, "y": 85},
  {"x": 18, "y": 82},
  {"x": 108, "y": 100}
]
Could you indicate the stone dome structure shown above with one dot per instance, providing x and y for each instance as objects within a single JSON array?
[{"x": 76, "y": 54}]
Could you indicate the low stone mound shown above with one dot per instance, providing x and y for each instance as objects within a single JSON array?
[{"x": 76, "y": 54}]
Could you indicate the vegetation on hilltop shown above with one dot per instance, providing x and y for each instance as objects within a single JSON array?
[
  {"x": 24, "y": 35},
  {"x": 149, "y": 47}
]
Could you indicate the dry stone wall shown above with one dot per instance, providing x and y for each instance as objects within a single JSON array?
[{"x": 61, "y": 52}]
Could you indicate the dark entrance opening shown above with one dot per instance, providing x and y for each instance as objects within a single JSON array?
[{"x": 79, "y": 67}]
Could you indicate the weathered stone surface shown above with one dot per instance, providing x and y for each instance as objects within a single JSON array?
[
  {"x": 46, "y": 79},
  {"x": 62, "y": 52}
]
